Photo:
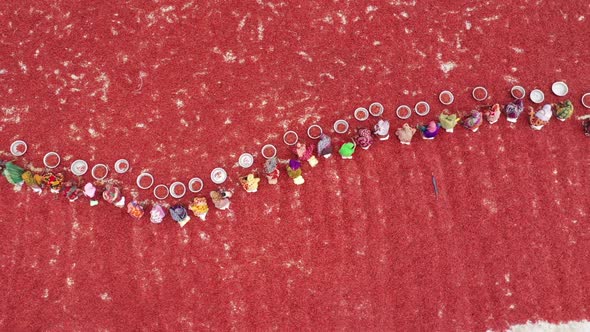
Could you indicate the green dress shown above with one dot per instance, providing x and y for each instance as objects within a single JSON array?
[
  {"x": 564, "y": 110},
  {"x": 448, "y": 121},
  {"x": 293, "y": 174},
  {"x": 347, "y": 149},
  {"x": 13, "y": 173}
]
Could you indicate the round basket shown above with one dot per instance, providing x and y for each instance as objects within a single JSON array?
[
  {"x": 95, "y": 170},
  {"x": 342, "y": 123},
  {"x": 161, "y": 196},
  {"x": 18, "y": 148},
  {"x": 173, "y": 187},
  {"x": 422, "y": 108},
  {"x": 446, "y": 97},
  {"x": 218, "y": 175},
  {"x": 121, "y": 166},
  {"x": 361, "y": 114},
  {"x": 290, "y": 132},
  {"x": 194, "y": 181},
  {"x": 309, "y": 131},
  {"x": 145, "y": 175},
  {"x": 376, "y": 109},
  {"x": 268, "y": 146},
  {"x": 79, "y": 167},
  {"x": 401, "y": 108},
  {"x": 49, "y": 155},
  {"x": 479, "y": 93}
]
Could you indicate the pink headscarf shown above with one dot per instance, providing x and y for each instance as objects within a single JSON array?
[
  {"x": 89, "y": 190},
  {"x": 431, "y": 126}
]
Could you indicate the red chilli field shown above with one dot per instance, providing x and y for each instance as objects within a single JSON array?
[{"x": 179, "y": 88}]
